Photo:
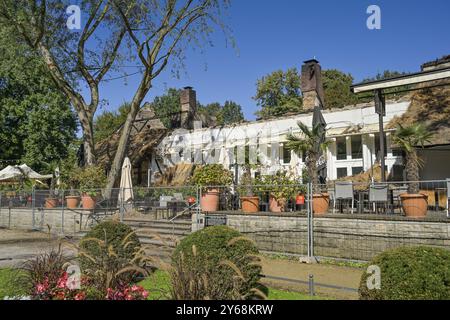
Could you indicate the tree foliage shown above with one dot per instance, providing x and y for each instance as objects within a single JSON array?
[
  {"x": 109, "y": 121},
  {"x": 37, "y": 125},
  {"x": 278, "y": 93},
  {"x": 231, "y": 113},
  {"x": 336, "y": 87}
]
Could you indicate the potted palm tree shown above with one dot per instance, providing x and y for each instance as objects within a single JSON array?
[
  {"x": 307, "y": 144},
  {"x": 409, "y": 138},
  {"x": 209, "y": 178}
]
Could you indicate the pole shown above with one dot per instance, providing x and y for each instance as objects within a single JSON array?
[{"x": 380, "y": 108}]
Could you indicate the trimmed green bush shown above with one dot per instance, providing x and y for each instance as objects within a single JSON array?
[
  {"x": 214, "y": 246},
  {"x": 410, "y": 273},
  {"x": 111, "y": 233}
]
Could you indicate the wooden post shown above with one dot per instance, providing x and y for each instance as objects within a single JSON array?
[{"x": 380, "y": 108}]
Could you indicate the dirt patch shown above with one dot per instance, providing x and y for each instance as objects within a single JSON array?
[{"x": 323, "y": 274}]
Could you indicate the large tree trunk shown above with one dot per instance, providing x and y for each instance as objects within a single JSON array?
[
  {"x": 121, "y": 148},
  {"x": 312, "y": 172},
  {"x": 412, "y": 172}
]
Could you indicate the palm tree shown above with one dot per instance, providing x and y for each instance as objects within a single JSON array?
[
  {"x": 307, "y": 144},
  {"x": 408, "y": 138}
]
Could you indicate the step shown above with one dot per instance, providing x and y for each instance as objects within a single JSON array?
[
  {"x": 160, "y": 227},
  {"x": 181, "y": 223},
  {"x": 161, "y": 232}
]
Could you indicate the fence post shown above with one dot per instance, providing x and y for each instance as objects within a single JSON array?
[
  {"x": 311, "y": 285},
  {"x": 62, "y": 212},
  {"x": 33, "y": 204},
  {"x": 121, "y": 204}
]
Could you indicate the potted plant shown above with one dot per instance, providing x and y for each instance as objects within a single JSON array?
[
  {"x": 52, "y": 200},
  {"x": 311, "y": 144},
  {"x": 91, "y": 178},
  {"x": 70, "y": 180},
  {"x": 209, "y": 178},
  {"x": 414, "y": 203},
  {"x": 281, "y": 187},
  {"x": 249, "y": 202}
]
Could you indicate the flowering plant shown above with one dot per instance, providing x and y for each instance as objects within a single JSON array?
[
  {"x": 63, "y": 290},
  {"x": 127, "y": 292}
]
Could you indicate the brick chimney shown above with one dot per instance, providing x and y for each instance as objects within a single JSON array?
[
  {"x": 188, "y": 98},
  {"x": 311, "y": 85}
]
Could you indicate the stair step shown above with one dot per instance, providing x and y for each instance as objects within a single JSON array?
[{"x": 161, "y": 231}]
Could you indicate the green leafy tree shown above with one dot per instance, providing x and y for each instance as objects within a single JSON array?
[
  {"x": 231, "y": 113},
  {"x": 37, "y": 125},
  {"x": 166, "y": 106},
  {"x": 109, "y": 121},
  {"x": 279, "y": 93},
  {"x": 409, "y": 138},
  {"x": 336, "y": 86}
]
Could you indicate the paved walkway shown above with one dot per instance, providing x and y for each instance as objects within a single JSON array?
[{"x": 323, "y": 274}]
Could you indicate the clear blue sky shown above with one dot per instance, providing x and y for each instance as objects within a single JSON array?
[{"x": 279, "y": 34}]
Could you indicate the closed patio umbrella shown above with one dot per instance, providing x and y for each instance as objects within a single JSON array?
[{"x": 126, "y": 185}]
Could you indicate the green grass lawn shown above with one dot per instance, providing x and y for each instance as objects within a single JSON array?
[{"x": 158, "y": 284}]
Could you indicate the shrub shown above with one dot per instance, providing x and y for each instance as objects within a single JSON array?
[
  {"x": 211, "y": 175},
  {"x": 215, "y": 263},
  {"x": 111, "y": 256},
  {"x": 410, "y": 273},
  {"x": 91, "y": 179}
]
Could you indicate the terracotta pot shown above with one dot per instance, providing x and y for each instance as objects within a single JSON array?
[
  {"x": 250, "y": 204},
  {"x": 414, "y": 205},
  {"x": 51, "y": 203},
  {"x": 274, "y": 205},
  {"x": 209, "y": 201},
  {"x": 88, "y": 202},
  {"x": 72, "y": 202},
  {"x": 321, "y": 203}
]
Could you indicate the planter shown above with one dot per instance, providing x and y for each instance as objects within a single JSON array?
[
  {"x": 321, "y": 203},
  {"x": 209, "y": 201},
  {"x": 51, "y": 203},
  {"x": 274, "y": 205},
  {"x": 88, "y": 202},
  {"x": 72, "y": 202},
  {"x": 414, "y": 205},
  {"x": 250, "y": 204}
]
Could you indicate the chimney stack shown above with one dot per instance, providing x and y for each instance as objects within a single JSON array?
[
  {"x": 311, "y": 85},
  {"x": 188, "y": 98}
]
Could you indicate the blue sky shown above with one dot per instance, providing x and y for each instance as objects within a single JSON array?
[{"x": 272, "y": 35}]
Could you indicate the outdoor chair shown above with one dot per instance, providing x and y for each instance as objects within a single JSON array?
[
  {"x": 343, "y": 191},
  {"x": 378, "y": 194},
  {"x": 448, "y": 197}
]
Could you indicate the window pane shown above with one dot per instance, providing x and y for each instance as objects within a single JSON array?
[
  {"x": 341, "y": 172},
  {"x": 341, "y": 144},
  {"x": 356, "y": 147},
  {"x": 286, "y": 155},
  {"x": 357, "y": 170}
]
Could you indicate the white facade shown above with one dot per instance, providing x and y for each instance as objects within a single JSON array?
[{"x": 353, "y": 132}]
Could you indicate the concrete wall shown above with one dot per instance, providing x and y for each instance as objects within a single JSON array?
[
  {"x": 22, "y": 218},
  {"x": 348, "y": 238}
]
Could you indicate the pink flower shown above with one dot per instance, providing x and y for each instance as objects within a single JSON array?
[
  {"x": 40, "y": 288},
  {"x": 80, "y": 296},
  {"x": 145, "y": 294}
]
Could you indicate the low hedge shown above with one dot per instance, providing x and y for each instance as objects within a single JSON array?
[{"x": 410, "y": 273}]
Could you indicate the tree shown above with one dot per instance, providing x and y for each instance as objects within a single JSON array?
[
  {"x": 409, "y": 138},
  {"x": 110, "y": 121},
  {"x": 156, "y": 33},
  {"x": 37, "y": 125},
  {"x": 231, "y": 113},
  {"x": 336, "y": 86},
  {"x": 307, "y": 144},
  {"x": 278, "y": 93},
  {"x": 167, "y": 106}
]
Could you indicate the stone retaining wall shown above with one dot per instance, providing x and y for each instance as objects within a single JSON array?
[{"x": 348, "y": 238}]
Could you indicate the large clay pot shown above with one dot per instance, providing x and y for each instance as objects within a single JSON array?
[
  {"x": 274, "y": 205},
  {"x": 250, "y": 204},
  {"x": 72, "y": 202},
  {"x": 88, "y": 202},
  {"x": 414, "y": 205},
  {"x": 321, "y": 203},
  {"x": 51, "y": 203},
  {"x": 209, "y": 201}
]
